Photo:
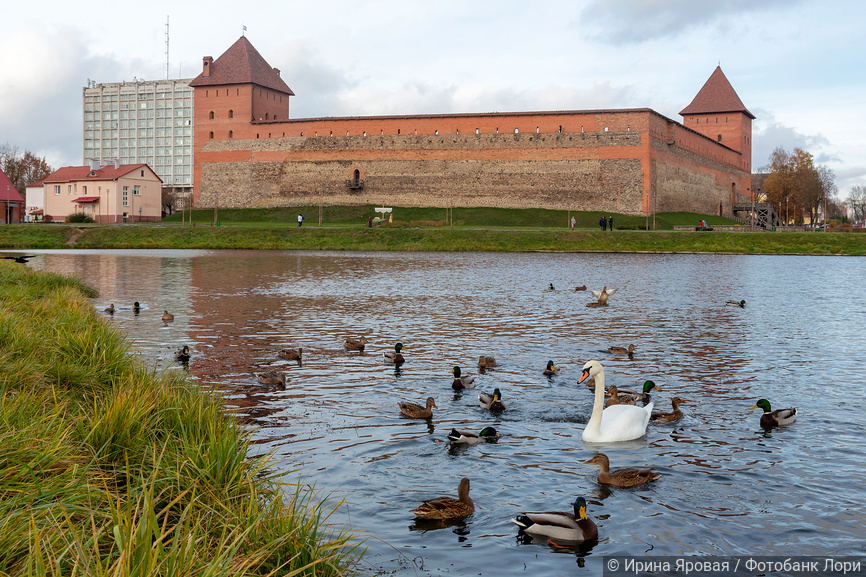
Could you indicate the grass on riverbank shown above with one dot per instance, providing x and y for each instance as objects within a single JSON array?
[
  {"x": 425, "y": 239},
  {"x": 111, "y": 469}
]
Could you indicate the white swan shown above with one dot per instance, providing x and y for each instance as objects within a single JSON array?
[{"x": 617, "y": 422}]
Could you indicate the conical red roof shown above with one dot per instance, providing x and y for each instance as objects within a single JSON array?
[
  {"x": 242, "y": 64},
  {"x": 717, "y": 95}
]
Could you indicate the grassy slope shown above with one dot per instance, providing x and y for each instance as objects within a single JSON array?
[{"x": 110, "y": 469}]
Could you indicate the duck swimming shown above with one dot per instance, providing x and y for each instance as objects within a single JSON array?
[
  {"x": 559, "y": 525},
  {"x": 775, "y": 418},
  {"x": 182, "y": 354},
  {"x": 291, "y": 354},
  {"x": 136, "y": 308},
  {"x": 355, "y": 344},
  {"x": 395, "y": 358},
  {"x": 109, "y": 309},
  {"x": 470, "y": 437},
  {"x": 621, "y": 350},
  {"x": 616, "y": 423},
  {"x": 491, "y": 402},
  {"x": 675, "y": 415},
  {"x": 741, "y": 304},
  {"x": 486, "y": 362},
  {"x": 447, "y": 507},
  {"x": 622, "y": 477},
  {"x": 550, "y": 369},
  {"x": 617, "y": 399},
  {"x": 167, "y": 317},
  {"x": 416, "y": 411},
  {"x": 642, "y": 395},
  {"x": 271, "y": 378},
  {"x": 461, "y": 381}
]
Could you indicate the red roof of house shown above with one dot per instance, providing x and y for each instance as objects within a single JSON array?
[
  {"x": 79, "y": 173},
  {"x": 242, "y": 64},
  {"x": 717, "y": 95},
  {"x": 8, "y": 192}
]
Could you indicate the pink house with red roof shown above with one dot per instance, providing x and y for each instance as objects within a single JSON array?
[
  {"x": 116, "y": 193},
  {"x": 11, "y": 202}
]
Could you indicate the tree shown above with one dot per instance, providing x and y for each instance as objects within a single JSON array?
[
  {"x": 22, "y": 169},
  {"x": 857, "y": 202},
  {"x": 797, "y": 187},
  {"x": 168, "y": 200}
]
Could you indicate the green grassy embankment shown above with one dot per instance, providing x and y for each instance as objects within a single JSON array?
[
  {"x": 109, "y": 468},
  {"x": 417, "y": 229}
]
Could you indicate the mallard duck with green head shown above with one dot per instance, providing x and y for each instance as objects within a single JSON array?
[
  {"x": 416, "y": 411},
  {"x": 470, "y": 437},
  {"x": 779, "y": 417},
  {"x": 182, "y": 354},
  {"x": 461, "y": 381},
  {"x": 491, "y": 402},
  {"x": 741, "y": 304},
  {"x": 643, "y": 394},
  {"x": 550, "y": 369},
  {"x": 447, "y": 507},
  {"x": 395, "y": 358},
  {"x": 559, "y": 525}
]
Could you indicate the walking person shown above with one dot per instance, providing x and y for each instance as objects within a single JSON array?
[
  {"x": 300, "y": 219},
  {"x": 603, "y": 223},
  {"x": 370, "y": 223},
  {"x": 572, "y": 223},
  {"x": 610, "y": 222}
]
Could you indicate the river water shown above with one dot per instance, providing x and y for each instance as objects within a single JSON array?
[{"x": 728, "y": 487}]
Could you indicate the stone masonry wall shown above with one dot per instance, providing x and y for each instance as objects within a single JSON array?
[{"x": 558, "y": 171}]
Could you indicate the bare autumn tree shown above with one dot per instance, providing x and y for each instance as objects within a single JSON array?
[
  {"x": 168, "y": 200},
  {"x": 857, "y": 202},
  {"x": 22, "y": 169}
]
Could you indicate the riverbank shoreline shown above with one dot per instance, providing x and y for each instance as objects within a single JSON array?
[
  {"x": 110, "y": 466},
  {"x": 419, "y": 239}
]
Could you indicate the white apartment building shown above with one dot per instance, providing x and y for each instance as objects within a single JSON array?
[{"x": 142, "y": 122}]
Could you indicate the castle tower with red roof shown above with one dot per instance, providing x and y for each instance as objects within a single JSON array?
[{"x": 718, "y": 113}]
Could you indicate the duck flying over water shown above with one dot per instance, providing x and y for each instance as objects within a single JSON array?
[
  {"x": 23, "y": 259},
  {"x": 603, "y": 295},
  {"x": 491, "y": 402},
  {"x": 559, "y": 525},
  {"x": 447, "y": 507},
  {"x": 461, "y": 381},
  {"x": 470, "y": 437},
  {"x": 395, "y": 358},
  {"x": 416, "y": 411},
  {"x": 776, "y": 418},
  {"x": 622, "y": 477}
]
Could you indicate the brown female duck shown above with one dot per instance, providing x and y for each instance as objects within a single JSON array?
[
  {"x": 416, "y": 411},
  {"x": 447, "y": 507},
  {"x": 622, "y": 477},
  {"x": 674, "y": 415}
]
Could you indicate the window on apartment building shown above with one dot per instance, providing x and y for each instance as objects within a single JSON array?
[
  {"x": 135, "y": 190},
  {"x": 57, "y": 189}
]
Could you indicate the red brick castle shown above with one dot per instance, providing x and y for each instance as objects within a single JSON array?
[{"x": 249, "y": 153}]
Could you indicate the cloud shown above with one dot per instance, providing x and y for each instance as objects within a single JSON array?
[
  {"x": 41, "y": 96},
  {"x": 634, "y": 21},
  {"x": 769, "y": 136}
]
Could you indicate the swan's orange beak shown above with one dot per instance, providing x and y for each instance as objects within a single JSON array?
[{"x": 583, "y": 376}]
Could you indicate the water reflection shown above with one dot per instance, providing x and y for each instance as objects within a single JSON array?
[{"x": 727, "y": 485}]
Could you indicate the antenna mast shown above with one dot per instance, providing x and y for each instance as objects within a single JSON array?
[{"x": 166, "y": 47}]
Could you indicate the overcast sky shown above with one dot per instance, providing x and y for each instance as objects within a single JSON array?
[{"x": 797, "y": 65}]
